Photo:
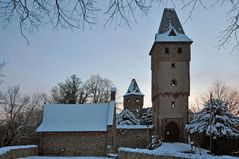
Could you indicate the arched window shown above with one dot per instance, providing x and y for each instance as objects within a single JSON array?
[
  {"x": 173, "y": 104},
  {"x": 173, "y": 82}
]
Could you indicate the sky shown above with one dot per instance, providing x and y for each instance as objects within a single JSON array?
[{"x": 117, "y": 53}]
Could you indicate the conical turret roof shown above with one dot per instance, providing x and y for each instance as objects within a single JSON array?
[{"x": 133, "y": 89}]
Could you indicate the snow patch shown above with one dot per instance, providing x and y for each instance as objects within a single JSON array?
[
  {"x": 4, "y": 150},
  {"x": 134, "y": 126},
  {"x": 177, "y": 150},
  {"x": 165, "y": 37}
]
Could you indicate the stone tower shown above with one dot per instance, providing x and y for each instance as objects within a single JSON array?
[
  {"x": 133, "y": 98},
  {"x": 170, "y": 66}
]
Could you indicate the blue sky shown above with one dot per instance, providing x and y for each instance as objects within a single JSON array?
[{"x": 118, "y": 54}]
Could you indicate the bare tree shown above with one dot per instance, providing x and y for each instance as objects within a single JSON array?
[
  {"x": 31, "y": 14},
  {"x": 72, "y": 91},
  {"x": 230, "y": 33},
  {"x": 221, "y": 90},
  {"x": 19, "y": 115},
  {"x": 13, "y": 106},
  {"x": 99, "y": 89}
]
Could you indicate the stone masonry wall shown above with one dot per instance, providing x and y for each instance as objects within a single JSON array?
[
  {"x": 74, "y": 144},
  {"x": 137, "y": 155},
  {"x": 21, "y": 152},
  {"x": 133, "y": 138}
]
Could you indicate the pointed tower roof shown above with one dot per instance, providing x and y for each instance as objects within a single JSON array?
[
  {"x": 133, "y": 89},
  {"x": 170, "y": 29},
  {"x": 169, "y": 20}
]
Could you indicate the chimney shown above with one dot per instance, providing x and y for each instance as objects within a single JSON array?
[{"x": 113, "y": 93}]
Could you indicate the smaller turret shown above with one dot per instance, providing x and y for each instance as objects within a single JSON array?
[{"x": 133, "y": 98}]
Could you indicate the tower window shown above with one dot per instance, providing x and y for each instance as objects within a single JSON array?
[
  {"x": 179, "y": 50},
  {"x": 166, "y": 50},
  {"x": 173, "y": 82},
  {"x": 128, "y": 100},
  {"x": 137, "y": 100},
  {"x": 172, "y": 65},
  {"x": 173, "y": 104}
]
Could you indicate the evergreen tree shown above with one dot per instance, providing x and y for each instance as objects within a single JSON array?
[
  {"x": 214, "y": 120},
  {"x": 147, "y": 117},
  {"x": 127, "y": 118}
]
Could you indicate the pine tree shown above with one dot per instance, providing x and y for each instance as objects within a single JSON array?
[
  {"x": 127, "y": 118},
  {"x": 214, "y": 120},
  {"x": 147, "y": 117}
]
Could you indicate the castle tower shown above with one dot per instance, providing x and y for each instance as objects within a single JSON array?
[
  {"x": 133, "y": 98},
  {"x": 170, "y": 66}
]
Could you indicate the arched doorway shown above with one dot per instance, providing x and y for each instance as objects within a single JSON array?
[{"x": 172, "y": 132}]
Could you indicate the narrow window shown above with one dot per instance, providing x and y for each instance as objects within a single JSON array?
[
  {"x": 172, "y": 65},
  {"x": 137, "y": 100},
  {"x": 166, "y": 50},
  {"x": 173, "y": 104},
  {"x": 128, "y": 100},
  {"x": 173, "y": 82},
  {"x": 179, "y": 50}
]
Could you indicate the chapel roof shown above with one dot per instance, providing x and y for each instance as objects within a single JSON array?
[{"x": 77, "y": 117}]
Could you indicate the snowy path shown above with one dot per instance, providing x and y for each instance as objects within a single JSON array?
[{"x": 177, "y": 150}]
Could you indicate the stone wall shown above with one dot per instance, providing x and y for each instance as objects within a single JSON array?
[
  {"x": 136, "y": 155},
  {"x": 21, "y": 152},
  {"x": 74, "y": 144},
  {"x": 133, "y": 137}
]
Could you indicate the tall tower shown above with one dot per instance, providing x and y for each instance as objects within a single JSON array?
[
  {"x": 133, "y": 98},
  {"x": 170, "y": 66}
]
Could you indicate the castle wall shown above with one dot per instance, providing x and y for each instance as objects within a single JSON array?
[
  {"x": 133, "y": 137},
  {"x": 74, "y": 144}
]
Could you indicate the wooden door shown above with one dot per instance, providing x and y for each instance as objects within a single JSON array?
[{"x": 172, "y": 132}]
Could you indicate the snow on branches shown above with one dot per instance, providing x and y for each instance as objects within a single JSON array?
[
  {"x": 126, "y": 117},
  {"x": 147, "y": 118},
  {"x": 214, "y": 120}
]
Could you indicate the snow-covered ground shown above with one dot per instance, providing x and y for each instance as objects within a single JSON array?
[
  {"x": 178, "y": 150},
  {"x": 46, "y": 157}
]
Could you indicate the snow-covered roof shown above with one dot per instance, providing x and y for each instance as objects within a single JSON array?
[
  {"x": 170, "y": 29},
  {"x": 172, "y": 36},
  {"x": 77, "y": 117},
  {"x": 133, "y": 89}
]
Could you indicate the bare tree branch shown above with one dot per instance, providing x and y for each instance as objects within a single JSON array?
[
  {"x": 221, "y": 90},
  {"x": 20, "y": 115}
]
